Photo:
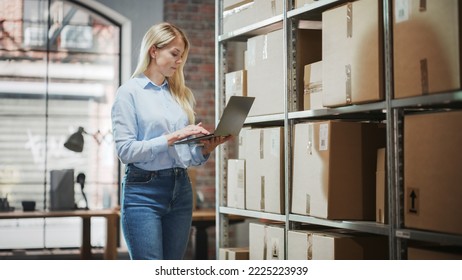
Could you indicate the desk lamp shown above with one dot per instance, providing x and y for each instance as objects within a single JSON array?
[{"x": 75, "y": 141}]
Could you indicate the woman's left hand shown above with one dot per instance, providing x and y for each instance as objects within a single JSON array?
[{"x": 210, "y": 144}]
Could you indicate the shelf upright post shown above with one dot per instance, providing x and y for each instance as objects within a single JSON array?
[
  {"x": 286, "y": 51},
  {"x": 394, "y": 137},
  {"x": 222, "y": 222}
]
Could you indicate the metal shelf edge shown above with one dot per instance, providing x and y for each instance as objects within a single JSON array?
[
  {"x": 252, "y": 214},
  {"x": 365, "y": 226}
]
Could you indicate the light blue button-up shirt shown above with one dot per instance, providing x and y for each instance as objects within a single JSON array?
[{"x": 142, "y": 114}]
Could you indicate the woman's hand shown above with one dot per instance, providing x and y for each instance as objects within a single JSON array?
[
  {"x": 210, "y": 144},
  {"x": 192, "y": 129}
]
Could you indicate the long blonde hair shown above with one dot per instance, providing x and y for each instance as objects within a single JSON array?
[{"x": 160, "y": 35}]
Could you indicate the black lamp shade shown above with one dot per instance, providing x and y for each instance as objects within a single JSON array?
[{"x": 75, "y": 141}]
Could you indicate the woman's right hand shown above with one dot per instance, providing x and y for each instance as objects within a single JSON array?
[{"x": 190, "y": 130}]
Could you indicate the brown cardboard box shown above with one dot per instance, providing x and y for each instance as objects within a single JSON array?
[
  {"x": 264, "y": 178},
  {"x": 381, "y": 212},
  {"x": 236, "y": 183},
  {"x": 241, "y": 142},
  {"x": 433, "y": 253},
  {"x": 235, "y": 84},
  {"x": 334, "y": 169},
  {"x": 308, "y": 51},
  {"x": 335, "y": 245},
  {"x": 265, "y": 75},
  {"x": 352, "y": 53},
  {"x": 312, "y": 94},
  {"x": 432, "y": 171},
  {"x": 233, "y": 254},
  {"x": 231, "y": 4},
  {"x": 239, "y": 14},
  {"x": 266, "y": 241},
  {"x": 265, "y": 67},
  {"x": 426, "y": 47},
  {"x": 301, "y": 3}
]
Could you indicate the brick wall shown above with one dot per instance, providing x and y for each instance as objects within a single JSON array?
[{"x": 197, "y": 19}]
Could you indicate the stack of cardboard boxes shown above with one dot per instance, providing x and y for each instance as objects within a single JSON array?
[{"x": 339, "y": 167}]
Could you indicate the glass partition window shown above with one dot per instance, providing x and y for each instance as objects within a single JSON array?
[{"x": 59, "y": 70}]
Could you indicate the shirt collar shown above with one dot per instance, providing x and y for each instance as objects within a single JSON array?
[{"x": 145, "y": 82}]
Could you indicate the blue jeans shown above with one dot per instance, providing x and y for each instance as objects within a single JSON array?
[{"x": 156, "y": 213}]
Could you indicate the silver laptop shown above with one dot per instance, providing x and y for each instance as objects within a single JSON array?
[{"x": 231, "y": 121}]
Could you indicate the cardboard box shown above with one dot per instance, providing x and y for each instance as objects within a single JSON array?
[
  {"x": 352, "y": 54},
  {"x": 312, "y": 93},
  {"x": 264, "y": 63},
  {"x": 381, "y": 194},
  {"x": 265, "y": 170},
  {"x": 233, "y": 254},
  {"x": 241, "y": 143},
  {"x": 433, "y": 253},
  {"x": 231, "y": 4},
  {"x": 426, "y": 47},
  {"x": 236, "y": 183},
  {"x": 235, "y": 84},
  {"x": 308, "y": 51},
  {"x": 266, "y": 241},
  {"x": 336, "y": 245},
  {"x": 239, "y": 14},
  {"x": 432, "y": 171},
  {"x": 301, "y": 3},
  {"x": 334, "y": 164}
]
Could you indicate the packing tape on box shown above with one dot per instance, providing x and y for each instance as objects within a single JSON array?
[
  {"x": 262, "y": 193},
  {"x": 308, "y": 204},
  {"x": 348, "y": 83},
  {"x": 273, "y": 7},
  {"x": 264, "y": 55},
  {"x": 312, "y": 88},
  {"x": 309, "y": 249},
  {"x": 265, "y": 245},
  {"x": 309, "y": 147},
  {"x": 424, "y": 76},
  {"x": 349, "y": 20},
  {"x": 262, "y": 137}
]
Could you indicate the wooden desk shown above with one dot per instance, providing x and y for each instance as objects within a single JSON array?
[
  {"x": 203, "y": 219},
  {"x": 111, "y": 215}
]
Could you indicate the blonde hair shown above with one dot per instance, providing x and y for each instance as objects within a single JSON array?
[{"x": 160, "y": 35}]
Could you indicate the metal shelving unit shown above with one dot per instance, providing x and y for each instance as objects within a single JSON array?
[{"x": 391, "y": 111}]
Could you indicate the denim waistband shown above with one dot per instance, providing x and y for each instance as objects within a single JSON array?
[{"x": 162, "y": 172}]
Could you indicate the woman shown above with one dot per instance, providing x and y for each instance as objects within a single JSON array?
[{"x": 151, "y": 111}]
